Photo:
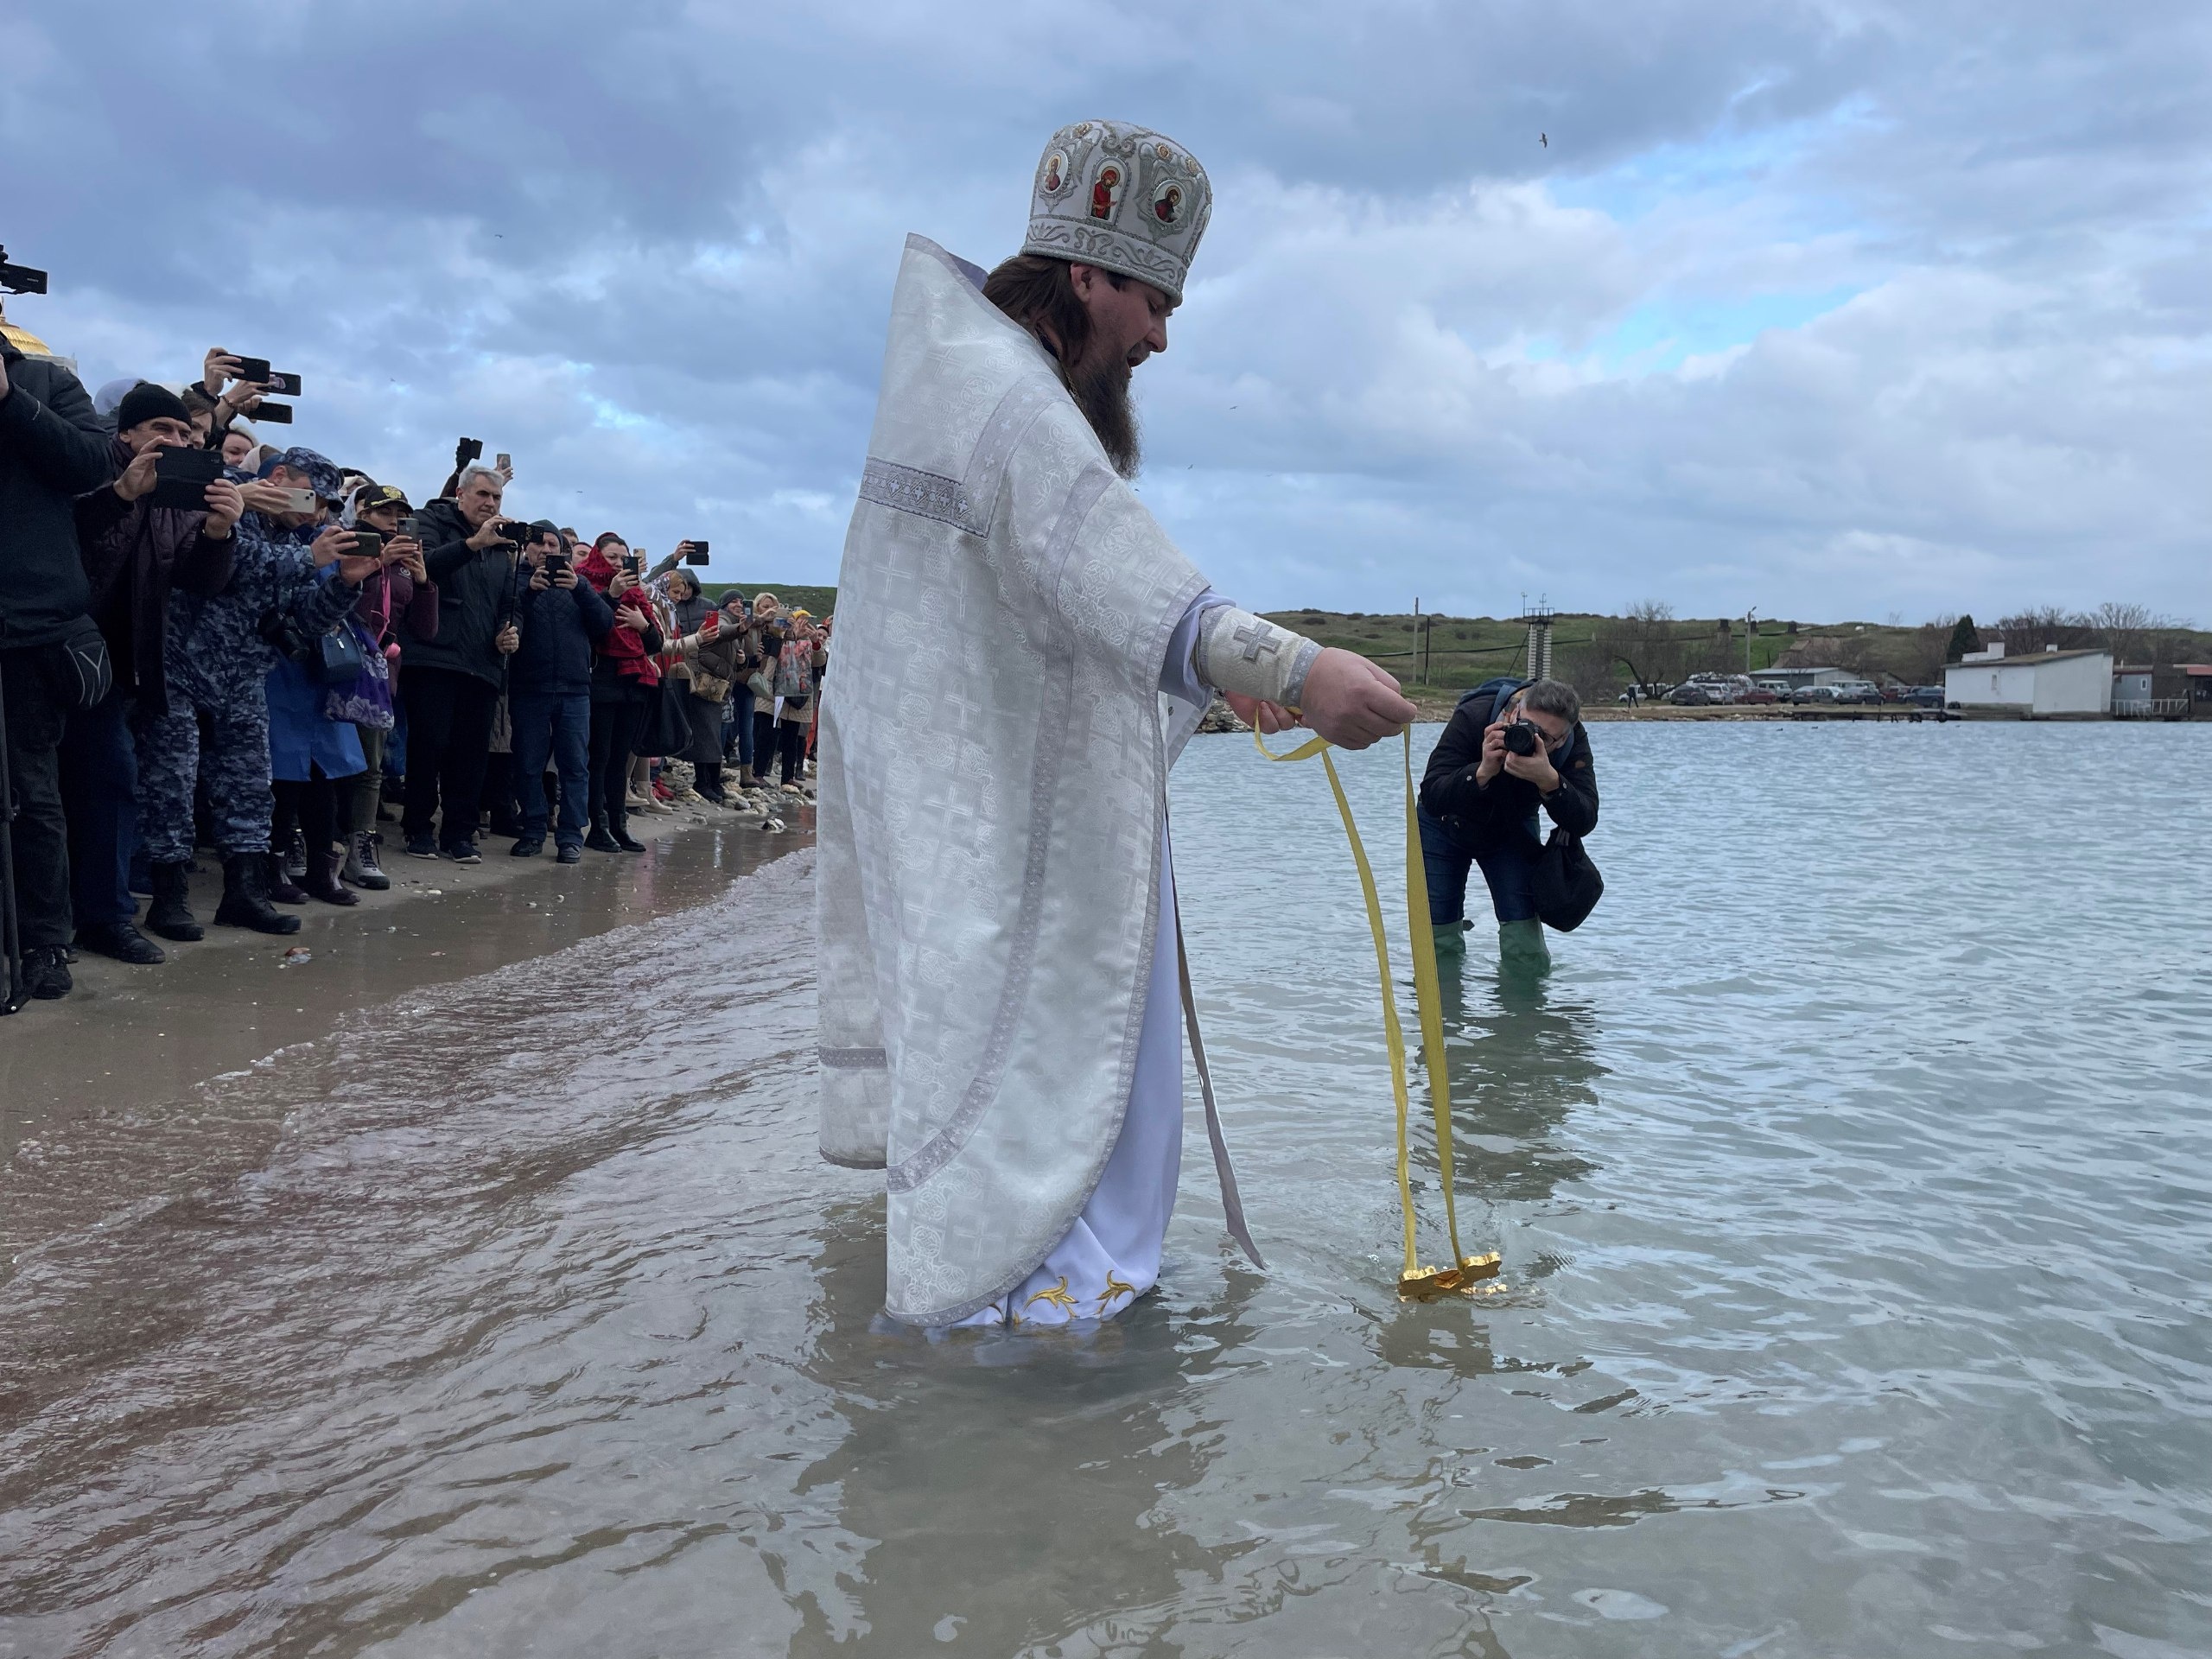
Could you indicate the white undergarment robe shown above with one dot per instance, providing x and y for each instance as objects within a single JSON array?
[{"x": 1110, "y": 1256}]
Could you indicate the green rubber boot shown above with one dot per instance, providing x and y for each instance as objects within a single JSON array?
[
  {"x": 1522, "y": 950},
  {"x": 1451, "y": 945}
]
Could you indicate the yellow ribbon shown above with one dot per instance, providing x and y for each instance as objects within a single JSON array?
[{"x": 1415, "y": 1281}]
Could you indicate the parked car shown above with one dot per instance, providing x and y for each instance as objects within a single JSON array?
[
  {"x": 1757, "y": 694},
  {"x": 1926, "y": 696},
  {"x": 1857, "y": 691},
  {"x": 1812, "y": 694},
  {"x": 1692, "y": 697}
]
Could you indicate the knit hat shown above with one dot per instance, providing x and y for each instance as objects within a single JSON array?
[
  {"x": 148, "y": 402},
  {"x": 1122, "y": 197}
]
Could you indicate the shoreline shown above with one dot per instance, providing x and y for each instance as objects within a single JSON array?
[{"x": 153, "y": 1044}]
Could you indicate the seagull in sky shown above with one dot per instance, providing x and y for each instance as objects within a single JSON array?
[{"x": 1545, "y": 139}]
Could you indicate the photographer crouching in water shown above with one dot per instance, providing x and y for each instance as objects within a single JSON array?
[{"x": 1510, "y": 748}]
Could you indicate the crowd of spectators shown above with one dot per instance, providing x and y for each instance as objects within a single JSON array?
[{"x": 213, "y": 646}]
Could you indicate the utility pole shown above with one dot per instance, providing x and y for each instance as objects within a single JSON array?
[{"x": 1749, "y": 627}]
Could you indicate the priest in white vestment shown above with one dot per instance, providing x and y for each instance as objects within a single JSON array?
[{"x": 1021, "y": 654}]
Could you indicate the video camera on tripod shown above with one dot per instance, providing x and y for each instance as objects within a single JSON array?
[{"x": 19, "y": 279}]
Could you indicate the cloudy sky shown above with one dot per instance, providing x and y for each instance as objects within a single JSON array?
[{"x": 1836, "y": 310}]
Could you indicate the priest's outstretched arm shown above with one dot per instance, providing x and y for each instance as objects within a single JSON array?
[{"x": 1276, "y": 679}]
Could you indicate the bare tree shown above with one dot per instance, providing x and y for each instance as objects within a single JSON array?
[
  {"x": 2040, "y": 628},
  {"x": 2132, "y": 631}
]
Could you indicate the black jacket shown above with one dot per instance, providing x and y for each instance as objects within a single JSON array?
[
  {"x": 52, "y": 449},
  {"x": 133, "y": 553},
  {"x": 475, "y": 599},
  {"x": 1476, "y": 813},
  {"x": 560, "y": 626}
]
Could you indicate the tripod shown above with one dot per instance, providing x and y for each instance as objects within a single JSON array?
[{"x": 17, "y": 992}]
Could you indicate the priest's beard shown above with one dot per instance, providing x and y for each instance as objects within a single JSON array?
[{"x": 1101, "y": 391}]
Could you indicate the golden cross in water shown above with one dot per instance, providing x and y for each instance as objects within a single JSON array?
[
  {"x": 1057, "y": 1295},
  {"x": 1114, "y": 1287}
]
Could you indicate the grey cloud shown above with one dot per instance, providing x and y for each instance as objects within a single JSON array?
[{"x": 649, "y": 251}]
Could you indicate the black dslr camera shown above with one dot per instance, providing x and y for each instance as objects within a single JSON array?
[{"x": 1522, "y": 738}]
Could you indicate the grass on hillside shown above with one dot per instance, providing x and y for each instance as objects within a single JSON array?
[
  {"x": 1591, "y": 651},
  {"x": 822, "y": 601}
]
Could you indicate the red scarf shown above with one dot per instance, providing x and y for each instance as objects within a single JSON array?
[{"x": 625, "y": 645}]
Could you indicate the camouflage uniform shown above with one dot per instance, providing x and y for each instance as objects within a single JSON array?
[{"x": 216, "y": 664}]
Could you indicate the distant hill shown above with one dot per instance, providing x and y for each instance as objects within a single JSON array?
[
  {"x": 822, "y": 601},
  {"x": 1593, "y": 653}
]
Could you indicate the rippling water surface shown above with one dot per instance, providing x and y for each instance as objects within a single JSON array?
[{"x": 1851, "y": 1174}]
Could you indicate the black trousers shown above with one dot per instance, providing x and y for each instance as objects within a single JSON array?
[
  {"x": 312, "y": 805},
  {"x": 618, "y": 717},
  {"x": 40, "y": 692},
  {"x": 764, "y": 741},
  {"x": 449, "y": 740},
  {"x": 99, "y": 793},
  {"x": 791, "y": 741}
]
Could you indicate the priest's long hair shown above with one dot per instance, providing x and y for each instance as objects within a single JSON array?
[{"x": 1038, "y": 293}]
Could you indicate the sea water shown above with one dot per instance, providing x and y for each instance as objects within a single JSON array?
[{"x": 1850, "y": 1172}]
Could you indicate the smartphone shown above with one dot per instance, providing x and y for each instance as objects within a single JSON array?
[
  {"x": 698, "y": 555},
  {"x": 367, "y": 543},
  {"x": 181, "y": 477},
  {"x": 411, "y": 527},
  {"x": 502, "y": 460},
  {"x": 254, "y": 370},
  {"x": 280, "y": 413},
  {"x": 287, "y": 384},
  {"x": 555, "y": 564},
  {"x": 300, "y": 501},
  {"x": 466, "y": 450}
]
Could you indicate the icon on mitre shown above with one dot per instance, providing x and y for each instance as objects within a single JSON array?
[{"x": 1106, "y": 191}]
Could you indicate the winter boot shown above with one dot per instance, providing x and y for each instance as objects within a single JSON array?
[
  {"x": 1522, "y": 950},
  {"x": 170, "y": 914},
  {"x": 324, "y": 882},
  {"x": 245, "y": 896},
  {"x": 121, "y": 940},
  {"x": 45, "y": 971},
  {"x": 282, "y": 888},
  {"x": 361, "y": 866}
]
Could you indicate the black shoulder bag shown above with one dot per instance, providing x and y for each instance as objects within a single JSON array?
[{"x": 1568, "y": 885}]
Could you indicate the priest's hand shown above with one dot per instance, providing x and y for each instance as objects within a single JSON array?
[
  {"x": 1353, "y": 701},
  {"x": 1269, "y": 717}
]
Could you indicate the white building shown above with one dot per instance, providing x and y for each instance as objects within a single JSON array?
[
  {"x": 1791, "y": 679},
  {"x": 2043, "y": 682}
]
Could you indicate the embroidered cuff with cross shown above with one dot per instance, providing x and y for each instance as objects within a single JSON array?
[{"x": 1248, "y": 655}]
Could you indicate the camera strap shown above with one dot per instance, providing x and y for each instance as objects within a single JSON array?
[{"x": 1416, "y": 1282}]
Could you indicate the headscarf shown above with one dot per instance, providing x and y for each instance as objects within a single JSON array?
[{"x": 624, "y": 646}]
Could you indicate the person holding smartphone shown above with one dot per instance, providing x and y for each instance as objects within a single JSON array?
[
  {"x": 136, "y": 549},
  {"x": 400, "y": 589},
  {"x": 453, "y": 678},
  {"x": 623, "y": 681},
  {"x": 291, "y": 569},
  {"x": 561, "y": 618}
]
